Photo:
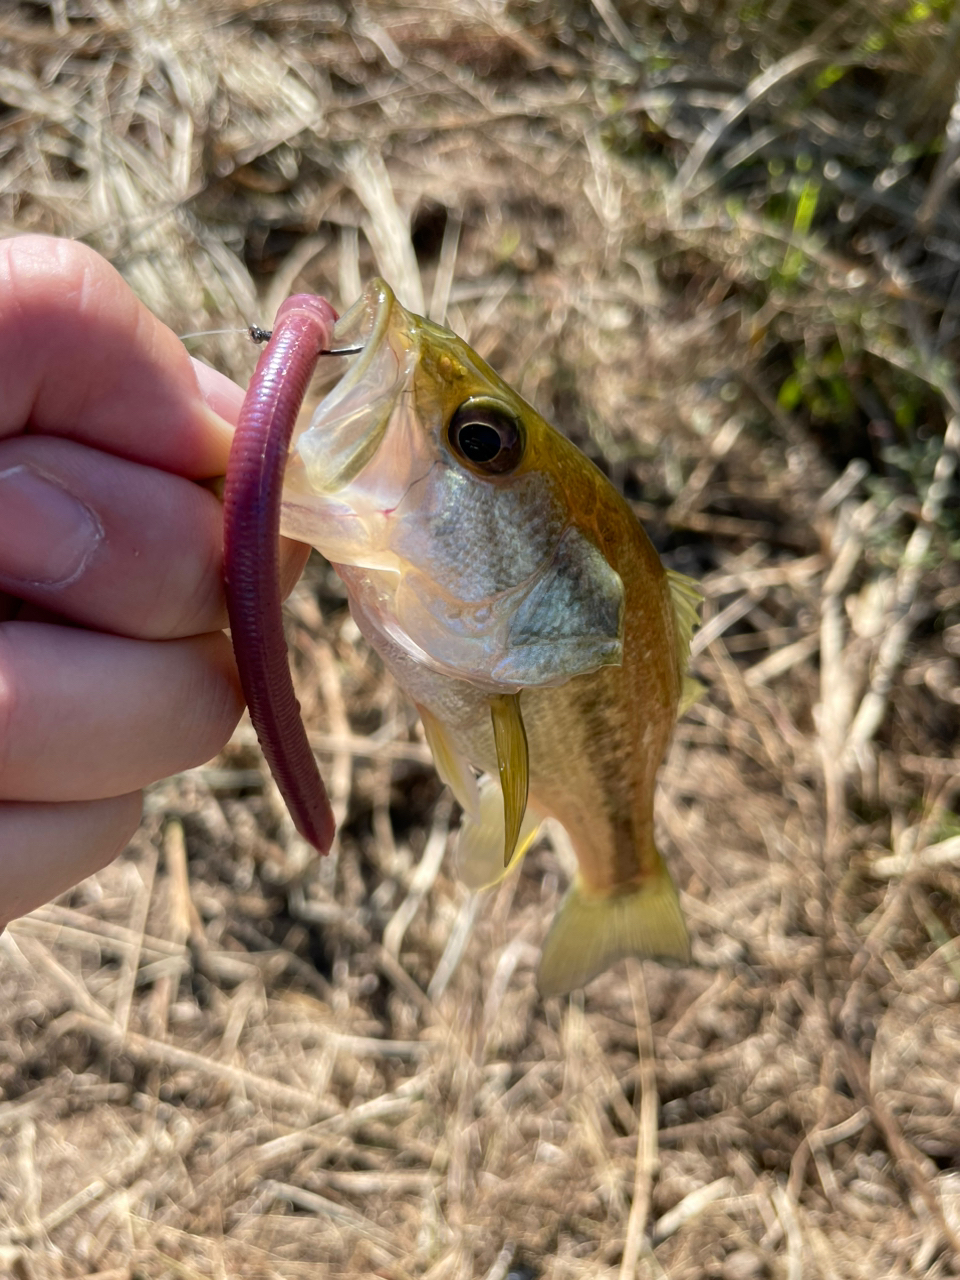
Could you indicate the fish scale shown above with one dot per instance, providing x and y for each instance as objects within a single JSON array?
[{"x": 479, "y": 541}]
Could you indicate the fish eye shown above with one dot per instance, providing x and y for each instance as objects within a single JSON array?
[{"x": 486, "y": 437}]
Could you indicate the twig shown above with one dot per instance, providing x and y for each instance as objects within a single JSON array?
[
  {"x": 814, "y": 1143},
  {"x": 183, "y": 923},
  {"x": 614, "y": 23},
  {"x": 320, "y": 1205},
  {"x": 443, "y": 281},
  {"x": 786, "y": 1212},
  {"x": 873, "y": 707},
  {"x": 341, "y": 773},
  {"x": 70, "y": 918},
  {"x": 421, "y": 883},
  {"x": 121, "y": 1175},
  {"x": 131, "y": 961},
  {"x": 794, "y": 574},
  {"x": 648, "y": 1159},
  {"x": 690, "y": 1206},
  {"x": 30, "y": 954},
  {"x": 692, "y": 492},
  {"x": 398, "y": 1103},
  {"x": 936, "y": 766},
  {"x": 725, "y": 619},
  {"x": 286, "y": 274},
  {"x": 387, "y": 229},
  {"x": 501, "y": 1264},
  {"x": 944, "y": 853},
  {"x": 726, "y": 526},
  {"x": 754, "y": 92},
  {"x": 148, "y": 1051},
  {"x": 29, "y": 1179},
  {"x": 781, "y": 661},
  {"x": 456, "y": 944},
  {"x": 946, "y": 172},
  {"x": 902, "y": 1151}
]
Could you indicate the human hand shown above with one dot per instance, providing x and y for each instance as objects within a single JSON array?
[{"x": 114, "y": 668}]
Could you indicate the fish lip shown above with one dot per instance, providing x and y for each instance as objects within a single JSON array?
[
  {"x": 349, "y": 423},
  {"x": 374, "y": 306}
]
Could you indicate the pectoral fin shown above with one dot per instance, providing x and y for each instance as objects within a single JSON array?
[
  {"x": 451, "y": 764},
  {"x": 514, "y": 763},
  {"x": 591, "y": 932},
  {"x": 479, "y": 849}
]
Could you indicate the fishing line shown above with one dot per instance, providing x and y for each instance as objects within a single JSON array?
[{"x": 259, "y": 336}]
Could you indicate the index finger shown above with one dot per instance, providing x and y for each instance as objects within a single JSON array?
[{"x": 82, "y": 357}]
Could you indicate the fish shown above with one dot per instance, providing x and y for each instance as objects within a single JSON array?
[{"x": 516, "y": 599}]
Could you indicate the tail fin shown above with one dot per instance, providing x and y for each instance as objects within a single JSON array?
[{"x": 592, "y": 932}]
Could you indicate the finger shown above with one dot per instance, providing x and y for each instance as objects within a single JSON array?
[
  {"x": 83, "y": 358},
  {"x": 111, "y": 543},
  {"x": 220, "y": 393},
  {"x": 46, "y": 848},
  {"x": 85, "y": 716}
]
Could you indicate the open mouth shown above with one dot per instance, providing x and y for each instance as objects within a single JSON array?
[
  {"x": 359, "y": 330},
  {"x": 348, "y": 424}
]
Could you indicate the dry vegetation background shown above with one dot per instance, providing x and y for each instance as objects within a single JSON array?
[{"x": 719, "y": 244}]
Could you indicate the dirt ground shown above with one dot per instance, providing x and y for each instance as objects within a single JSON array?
[{"x": 719, "y": 246}]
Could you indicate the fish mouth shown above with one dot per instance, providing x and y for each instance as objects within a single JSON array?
[{"x": 349, "y": 424}]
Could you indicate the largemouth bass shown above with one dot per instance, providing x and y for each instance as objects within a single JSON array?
[{"x": 517, "y": 600}]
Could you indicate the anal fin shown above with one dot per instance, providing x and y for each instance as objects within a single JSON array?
[{"x": 479, "y": 849}]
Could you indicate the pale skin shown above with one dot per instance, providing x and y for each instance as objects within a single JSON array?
[{"x": 114, "y": 667}]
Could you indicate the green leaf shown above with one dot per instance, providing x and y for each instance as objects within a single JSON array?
[{"x": 790, "y": 393}]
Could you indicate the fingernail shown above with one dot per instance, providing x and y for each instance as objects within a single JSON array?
[{"x": 46, "y": 534}]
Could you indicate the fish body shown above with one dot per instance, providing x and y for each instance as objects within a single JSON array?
[{"x": 519, "y": 603}]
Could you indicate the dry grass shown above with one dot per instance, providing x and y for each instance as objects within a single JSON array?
[{"x": 721, "y": 251}]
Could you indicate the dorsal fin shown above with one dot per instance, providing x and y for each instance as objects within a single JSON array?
[{"x": 691, "y": 691}]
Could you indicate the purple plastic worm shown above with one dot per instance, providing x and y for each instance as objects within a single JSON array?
[{"x": 303, "y": 329}]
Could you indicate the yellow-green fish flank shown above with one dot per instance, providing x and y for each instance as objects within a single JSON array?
[{"x": 518, "y": 601}]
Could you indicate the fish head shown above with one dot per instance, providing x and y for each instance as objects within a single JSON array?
[{"x": 465, "y": 527}]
